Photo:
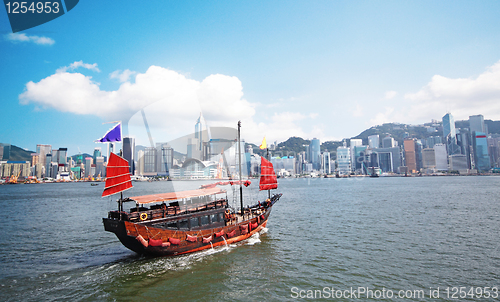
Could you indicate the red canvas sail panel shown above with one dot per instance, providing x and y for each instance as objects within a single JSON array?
[
  {"x": 117, "y": 176},
  {"x": 268, "y": 178}
]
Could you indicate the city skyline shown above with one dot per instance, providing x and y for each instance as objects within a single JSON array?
[{"x": 310, "y": 69}]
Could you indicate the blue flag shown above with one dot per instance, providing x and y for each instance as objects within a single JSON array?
[{"x": 113, "y": 135}]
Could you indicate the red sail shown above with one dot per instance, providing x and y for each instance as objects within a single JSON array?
[
  {"x": 268, "y": 178},
  {"x": 117, "y": 176}
]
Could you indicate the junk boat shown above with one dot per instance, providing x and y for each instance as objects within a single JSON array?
[{"x": 177, "y": 223}]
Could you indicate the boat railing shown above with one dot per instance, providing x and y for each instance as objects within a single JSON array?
[{"x": 138, "y": 214}]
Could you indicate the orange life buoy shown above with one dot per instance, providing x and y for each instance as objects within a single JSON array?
[{"x": 143, "y": 216}]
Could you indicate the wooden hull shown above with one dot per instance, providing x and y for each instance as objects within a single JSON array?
[{"x": 128, "y": 234}]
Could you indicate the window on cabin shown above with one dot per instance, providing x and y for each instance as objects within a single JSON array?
[
  {"x": 183, "y": 224},
  {"x": 194, "y": 222},
  {"x": 172, "y": 225},
  {"x": 204, "y": 220},
  {"x": 213, "y": 218}
]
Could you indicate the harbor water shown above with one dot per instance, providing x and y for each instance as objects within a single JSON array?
[{"x": 325, "y": 237}]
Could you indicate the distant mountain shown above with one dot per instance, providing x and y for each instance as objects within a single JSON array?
[
  {"x": 84, "y": 155},
  {"x": 18, "y": 154}
]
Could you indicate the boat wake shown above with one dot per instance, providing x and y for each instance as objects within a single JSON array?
[{"x": 255, "y": 238}]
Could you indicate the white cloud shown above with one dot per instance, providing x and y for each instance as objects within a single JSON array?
[
  {"x": 461, "y": 96},
  {"x": 390, "y": 95},
  {"x": 171, "y": 103},
  {"x": 16, "y": 38},
  {"x": 122, "y": 76},
  {"x": 77, "y": 64}
]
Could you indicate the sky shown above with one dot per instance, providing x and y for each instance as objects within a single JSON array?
[{"x": 313, "y": 69}]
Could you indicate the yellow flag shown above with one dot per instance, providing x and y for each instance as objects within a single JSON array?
[{"x": 264, "y": 144}]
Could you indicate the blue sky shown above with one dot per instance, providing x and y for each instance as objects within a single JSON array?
[{"x": 325, "y": 69}]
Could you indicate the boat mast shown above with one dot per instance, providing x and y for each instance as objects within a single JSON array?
[
  {"x": 239, "y": 163},
  {"x": 268, "y": 191}
]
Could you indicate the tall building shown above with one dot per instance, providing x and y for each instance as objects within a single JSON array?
[
  {"x": 326, "y": 163},
  {"x": 432, "y": 140},
  {"x": 343, "y": 161},
  {"x": 441, "y": 157},
  {"x": 315, "y": 154},
  {"x": 458, "y": 162},
  {"x": 374, "y": 141},
  {"x": 100, "y": 170},
  {"x": 129, "y": 152},
  {"x": 450, "y": 134},
  {"x": 480, "y": 147},
  {"x": 165, "y": 158},
  {"x": 150, "y": 160},
  {"x": 358, "y": 156},
  {"x": 43, "y": 150},
  {"x": 97, "y": 153},
  {"x": 388, "y": 142},
  {"x": 428, "y": 158},
  {"x": 356, "y": 142},
  {"x": 410, "y": 155},
  {"x": 88, "y": 167},
  {"x": 476, "y": 123},
  {"x": 387, "y": 159}
]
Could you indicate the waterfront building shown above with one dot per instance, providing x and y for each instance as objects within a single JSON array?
[
  {"x": 458, "y": 162},
  {"x": 463, "y": 141},
  {"x": 374, "y": 141},
  {"x": 88, "y": 165},
  {"x": 449, "y": 134},
  {"x": 97, "y": 153},
  {"x": 48, "y": 165},
  {"x": 100, "y": 168},
  {"x": 441, "y": 157},
  {"x": 129, "y": 152},
  {"x": 326, "y": 163},
  {"x": 476, "y": 123},
  {"x": 494, "y": 150},
  {"x": 150, "y": 155},
  {"x": 140, "y": 162},
  {"x": 165, "y": 159},
  {"x": 358, "y": 156},
  {"x": 480, "y": 147},
  {"x": 410, "y": 155},
  {"x": 315, "y": 149},
  {"x": 428, "y": 158},
  {"x": 387, "y": 159},
  {"x": 43, "y": 150},
  {"x": 15, "y": 168},
  {"x": 343, "y": 161}
]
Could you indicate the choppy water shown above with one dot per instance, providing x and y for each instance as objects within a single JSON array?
[{"x": 381, "y": 234}]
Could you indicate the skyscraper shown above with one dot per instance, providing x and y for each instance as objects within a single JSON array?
[
  {"x": 410, "y": 154},
  {"x": 476, "y": 123},
  {"x": 343, "y": 161},
  {"x": 441, "y": 157},
  {"x": 480, "y": 147},
  {"x": 374, "y": 141},
  {"x": 388, "y": 142},
  {"x": 129, "y": 152},
  {"x": 43, "y": 150},
  {"x": 315, "y": 154},
  {"x": 450, "y": 134}
]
